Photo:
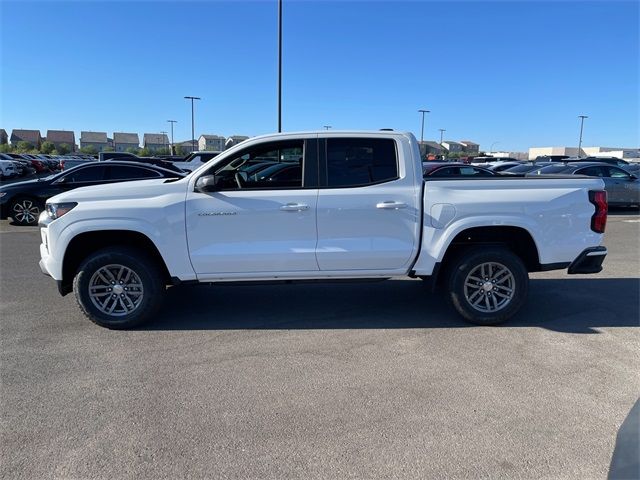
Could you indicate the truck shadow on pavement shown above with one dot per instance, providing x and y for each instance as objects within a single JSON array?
[{"x": 563, "y": 305}]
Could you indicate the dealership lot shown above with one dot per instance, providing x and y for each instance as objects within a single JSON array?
[{"x": 319, "y": 381}]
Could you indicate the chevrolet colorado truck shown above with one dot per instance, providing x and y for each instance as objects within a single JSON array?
[{"x": 320, "y": 206}]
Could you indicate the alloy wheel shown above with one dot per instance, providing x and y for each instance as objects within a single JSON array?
[
  {"x": 489, "y": 287},
  {"x": 116, "y": 290}
]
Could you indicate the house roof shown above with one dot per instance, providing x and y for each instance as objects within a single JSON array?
[
  {"x": 155, "y": 138},
  {"x": 3, "y": 135},
  {"x": 431, "y": 144},
  {"x": 451, "y": 142},
  {"x": 119, "y": 137},
  {"x": 61, "y": 136},
  {"x": 31, "y": 136},
  {"x": 93, "y": 137},
  {"x": 211, "y": 137},
  {"x": 469, "y": 142}
]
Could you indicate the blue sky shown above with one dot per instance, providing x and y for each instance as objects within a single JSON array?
[{"x": 512, "y": 72}]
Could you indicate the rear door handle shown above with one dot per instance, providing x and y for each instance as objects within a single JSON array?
[
  {"x": 391, "y": 205},
  {"x": 294, "y": 207}
]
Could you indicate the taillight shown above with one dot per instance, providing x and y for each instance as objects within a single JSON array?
[{"x": 599, "y": 218}]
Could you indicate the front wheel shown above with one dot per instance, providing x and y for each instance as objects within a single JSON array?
[
  {"x": 487, "y": 286},
  {"x": 118, "y": 287},
  {"x": 25, "y": 211}
]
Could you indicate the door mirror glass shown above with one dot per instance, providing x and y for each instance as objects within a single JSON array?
[{"x": 208, "y": 183}]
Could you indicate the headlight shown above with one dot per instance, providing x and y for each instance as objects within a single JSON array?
[
  {"x": 56, "y": 210},
  {"x": 2, "y": 194}
]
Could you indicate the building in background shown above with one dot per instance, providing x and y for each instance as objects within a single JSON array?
[
  {"x": 3, "y": 136},
  {"x": 453, "y": 147},
  {"x": 124, "y": 141},
  {"x": 32, "y": 137},
  {"x": 470, "y": 147},
  {"x": 234, "y": 140},
  {"x": 97, "y": 140},
  {"x": 62, "y": 137},
  {"x": 430, "y": 148},
  {"x": 155, "y": 141},
  {"x": 211, "y": 143},
  {"x": 624, "y": 153},
  {"x": 186, "y": 146}
]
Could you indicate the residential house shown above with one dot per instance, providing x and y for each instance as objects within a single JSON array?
[
  {"x": 234, "y": 140},
  {"x": 430, "y": 148},
  {"x": 62, "y": 137},
  {"x": 3, "y": 136},
  {"x": 453, "y": 147},
  {"x": 187, "y": 146},
  {"x": 31, "y": 136},
  {"x": 470, "y": 147},
  {"x": 155, "y": 141},
  {"x": 124, "y": 141},
  {"x": 211, "y": 143},
  {"x": 97, "y": 140}
]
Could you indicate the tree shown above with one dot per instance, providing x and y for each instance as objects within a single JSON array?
[
  {"x": 89, "y": 149},
  {"x": 47, "y": 147},
  {"x": 6, "y": 148},
  {"x": 63, "y": 149},
  {"x": 24, "y": 147},
  {"x": 144, "y": 152},
  {"x": 179, "y": 150},
  {"x": 133, "y": 150},
  {"x": 107, "y": 149}
]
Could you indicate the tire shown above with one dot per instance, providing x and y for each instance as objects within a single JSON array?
[
  {"x": 134, "y": 279},
  {"x": 504, "y": 287},
  {"x": 25, "y": 211}
]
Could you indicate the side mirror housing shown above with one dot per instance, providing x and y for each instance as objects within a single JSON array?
[{"x": 208, "y": 183}]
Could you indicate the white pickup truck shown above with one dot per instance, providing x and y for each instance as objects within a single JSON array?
[{"x": 319, "y": 206}]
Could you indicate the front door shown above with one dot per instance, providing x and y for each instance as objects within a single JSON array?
[{"x": 260, "y": 221}]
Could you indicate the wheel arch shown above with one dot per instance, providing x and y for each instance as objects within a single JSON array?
[{"x": 86, "y": 243}]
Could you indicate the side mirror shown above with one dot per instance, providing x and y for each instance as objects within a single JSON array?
[{"x": 208, "y": 183}]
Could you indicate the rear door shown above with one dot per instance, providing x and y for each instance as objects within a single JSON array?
[
  {"x": 622, "y": 186},
  {"x": 368, "y": 205}
]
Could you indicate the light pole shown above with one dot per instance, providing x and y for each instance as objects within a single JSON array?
[
  {"x": 442, "y": 130},
  {"x": 422, "y": 130},
  {"x": 581, "y": 117},
  {"x": 172, "y": 122},
  {"x": 193, "y": 140},
  {"x": 491, "y": 147},
  {"x": 279, "y": 66},
  {"x": 327, "y": 127}
]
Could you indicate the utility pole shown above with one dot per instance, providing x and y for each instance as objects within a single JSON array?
[
  {"x": 422, "y": 129},
  {"x": 193, "y": 140},
  {"x": 327, "y": 127},
  {"x": 172, "y": 122},
  {"x": 581, "y": 117},
  {"x": 279, "y": 66},
  {"x": 442, "y": 130}
]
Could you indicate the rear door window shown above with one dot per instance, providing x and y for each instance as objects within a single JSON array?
[
  {"x": 358, "y": 162},
  {"x": 125, "y": 172},
  {"x": 93, "y": 173}
]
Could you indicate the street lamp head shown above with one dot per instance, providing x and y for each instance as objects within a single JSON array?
[
  {"x": 583, "y": 116},
  {"x": 424, "y": 111},
  {"x": 193, "y": 98}
]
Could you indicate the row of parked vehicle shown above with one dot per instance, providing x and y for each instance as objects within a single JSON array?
[
  {"x": 14, "y": 165},
  {"x": 620, "y": 177}
]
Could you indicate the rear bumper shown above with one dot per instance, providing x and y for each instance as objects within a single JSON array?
[{"x": 589, "y": 261}]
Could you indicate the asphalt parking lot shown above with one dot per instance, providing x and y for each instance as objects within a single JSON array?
[{"x": 376, "y": 380}]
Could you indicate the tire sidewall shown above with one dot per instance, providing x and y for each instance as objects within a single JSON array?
[
  {"x": 136, "y": 261},
  {"x": 470, "y": 259}
]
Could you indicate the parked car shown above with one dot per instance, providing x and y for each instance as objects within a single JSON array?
[
  {"x": 551, "y": 158},
  {"x": 493, "y": 159},
  {"x": 360, "y": 210},
  {"x": 130, "y": 157},
  {"x": 7, "y": 169},
  {"x": 194, "y": 160},
  {"x": 622, "y": 187},
  {"x": 23, "y": 201},
  {"x": 448, "y": 169},
  {"x": 502, "y": 166},
  {"x": 66, "y": 163},
  {"x": 523, "y": 168},
  {"x": 27, "y": 167}
]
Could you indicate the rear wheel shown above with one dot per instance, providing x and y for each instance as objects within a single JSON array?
[
  {"x": 118, "y": 288},
  {"x": 487, "y": 286},
  {"x": 25, "y": 211}
]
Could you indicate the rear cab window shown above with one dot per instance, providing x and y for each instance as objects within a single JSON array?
[{"x": 359, "y": 162}]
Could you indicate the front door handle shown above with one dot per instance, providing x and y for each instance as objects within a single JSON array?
[
  {"x": 294, "y": 207},
  {"x": 391, "y": 205}
]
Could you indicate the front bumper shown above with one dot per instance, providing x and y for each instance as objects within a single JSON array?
[{"x": 589, "y": 261}]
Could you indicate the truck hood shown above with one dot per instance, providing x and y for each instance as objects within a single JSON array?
[{"x": 122, "y": 190}]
